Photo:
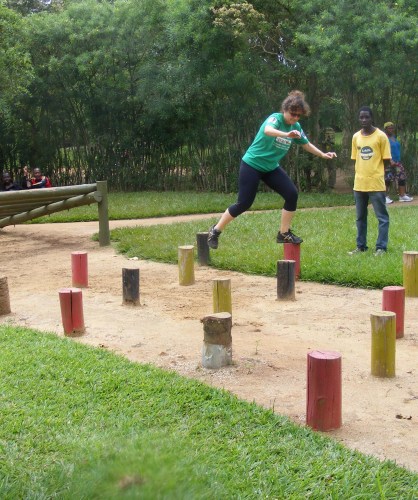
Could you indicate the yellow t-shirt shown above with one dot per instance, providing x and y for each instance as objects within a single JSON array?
[{"x": 369, "y": 151}]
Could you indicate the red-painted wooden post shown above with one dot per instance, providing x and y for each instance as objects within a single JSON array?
[
  {"x": 79, "y": 269},
  {"x": 323, "y": 391},
  {"x": 291, "y": 251},
  {"x": 71, "y": 302},
  {"x": 394, "y": 300}
]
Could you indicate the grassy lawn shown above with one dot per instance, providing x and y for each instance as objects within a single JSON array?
[
  {"x": 83, "y": 423},
  {"x": 248, "y": 245},
  {"x": 160, "y": 204}
]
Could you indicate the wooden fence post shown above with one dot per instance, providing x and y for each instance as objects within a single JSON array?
[
  {"x": 71, "y": 302},
  {"x": 217, "y": 341},
  {"x": 4, "y": 296},
  {"x": 79, "y": 269},
  {"x": 323, "y": 391},
  {"x": 286, "y": 280},
  {"x": 383, "y": 350},
  {"x": 103, "y": 209},
  {"x": 222, "y": 295},
  {"x": 186, "y": 264},
  {"x": 394, "y": 300},
  {"x": 410, "y": 273},
  {"x": 203, "y": 256},
  {"x": 130, "y": 286}
]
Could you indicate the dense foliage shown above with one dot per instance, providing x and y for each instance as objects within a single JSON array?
[{"x": 167, "y": 94}]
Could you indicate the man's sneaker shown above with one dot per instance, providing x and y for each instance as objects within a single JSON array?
[
  {"x": 405, "y": 197},
  {"x": 288, "y": 237},
  {"x": 356, "y": 251},
  {"x": 379, "y": 252},
  {"x": 213, "y": 237},
  {"x": 388, "y": 200}
]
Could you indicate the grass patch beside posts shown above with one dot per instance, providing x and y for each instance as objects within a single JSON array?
[
  {"x": 249, "y": 245},
  {"x": 161, "y": 204},
  {"x": 79, "y": 422}
]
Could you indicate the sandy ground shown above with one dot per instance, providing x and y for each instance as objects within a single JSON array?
[{"x": 271, "y": 338}]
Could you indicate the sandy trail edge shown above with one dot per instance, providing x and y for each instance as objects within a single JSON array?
[{"x": 270, "y": 338}]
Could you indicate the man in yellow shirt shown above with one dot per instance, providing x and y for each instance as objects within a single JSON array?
[{"x": 370, "y": 150}]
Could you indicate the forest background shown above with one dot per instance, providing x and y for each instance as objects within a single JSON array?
[{"x": 168, "y": 94}]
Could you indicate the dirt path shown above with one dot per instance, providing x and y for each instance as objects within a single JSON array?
[{"x": 270, "y": 339}]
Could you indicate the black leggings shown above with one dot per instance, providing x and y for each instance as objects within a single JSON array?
[{"x": 249, "y": 179}]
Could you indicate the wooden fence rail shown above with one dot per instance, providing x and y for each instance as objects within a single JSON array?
[{"x": 17, "y": 207}]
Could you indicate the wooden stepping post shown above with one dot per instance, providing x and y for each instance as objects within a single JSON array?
[
  {"x": 79, "y": 269},
  {"x": 130, "y": 286},
  {"x": 291, "y": 251},
  {"x": 4, "y": 296},
  {"x": 217, "y": 340},
  {"x": 186, "y": 265},
  {"x": 286, "y": 280},
  {"x": 203, "y": 256},
  {"x": 394, "y": 300},
  {"x": 383, "y": 351},
  {"x": 323, "y": 392},
  {"x": 71, "y": 302},
  {"x": 222, "y": 301},
  {"x": 410, "y": 273}
]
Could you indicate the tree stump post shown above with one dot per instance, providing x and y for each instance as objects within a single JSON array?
[
  {"x": 203, "y": 256},
  {"x": 222, "y": 301},
  {"x": 410, "y": 273},
  {"x": 323, "y": 391},
  {"x": 383, "y": 350},
  {"x": 394, "y": 300},
  {"x": 71, "y": 302},
  {"x": 286, "y": 280},
  {"x": 4, "y": 296},
  {"x": 79, "y": 269},
  {"x": 291, "y": 251},
  {"x": 130, "y": 286},
  {"x": 217, "y": 340},
  {"x": 186, "y": 265}
]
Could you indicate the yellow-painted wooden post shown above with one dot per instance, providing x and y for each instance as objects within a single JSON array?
[
  {"x": 186, "y": 264},
  {"x": 410, "y": 273},
  {"x": 383, "y": 351},
  {"x": 222, "y": 301}
]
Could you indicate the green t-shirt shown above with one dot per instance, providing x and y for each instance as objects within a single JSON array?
[{"x": 265, "y": 153}]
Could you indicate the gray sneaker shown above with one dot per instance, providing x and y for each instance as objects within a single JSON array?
[
  {"x": 213, "y": 237},
  {"x": 379, "y": 252},
  {"x": 356, "y": 251},
  {"x": 288, "y": 237}
]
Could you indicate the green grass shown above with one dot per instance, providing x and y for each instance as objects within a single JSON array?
[
  {"x": 83, "y": 423},
  {"x": 248, "y": 245},
  {"x": 160, "y": 204}
]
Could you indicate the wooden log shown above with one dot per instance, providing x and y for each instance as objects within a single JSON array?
[
  {"x": 203, "y": 256},
  {"x": 217, "y": 340},
  {"x": 79, "y": 269},
  {"x": 4, "y": 296},
  {"x": 71, "y": 303},
  {"x": 46, "y": 195},
  {"x": 222, "y": 301},
  {"x": 383, "y": 350},
  {"x": 186, "y": 265},
  {"x": 323, "y": 392},
  {"x": 286, "y": 280},
  {"x": 410, "y": 273},
  {"x": 130, "y": 286},
  {"x": 291, "y": 251},
  {"x": 394, "y": 300},
  {"x": 47, "y": 209}
]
